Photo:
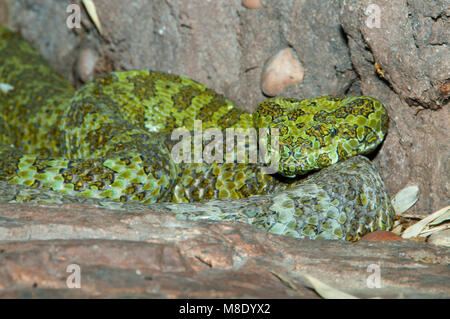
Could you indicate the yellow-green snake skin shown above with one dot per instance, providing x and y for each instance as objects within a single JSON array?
[{"x": 110, "y": 140}]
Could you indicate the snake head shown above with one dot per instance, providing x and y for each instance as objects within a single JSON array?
[{"x": 315, "y": 133}]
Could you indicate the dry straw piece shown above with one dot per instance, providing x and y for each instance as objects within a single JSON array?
[
  {"x": 441, "y": 238},
  {"x": 92, "y": 12},
  {"x": 405, "y": 198},
  {"x": 326, "y": 291},
  {"x": 430, "y": 224}
]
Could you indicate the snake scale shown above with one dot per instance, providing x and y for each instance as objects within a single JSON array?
[{"x": 111, "y": 141}]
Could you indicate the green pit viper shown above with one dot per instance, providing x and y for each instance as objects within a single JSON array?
[{"x": 111, "y": 141}]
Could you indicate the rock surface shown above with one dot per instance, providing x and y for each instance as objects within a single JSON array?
[
  {"x": 403, "y": 61},
  {"x": 152, "y": 254},
  {"x": 225, "y": 50},
  {"x": 411, "y": 48}
]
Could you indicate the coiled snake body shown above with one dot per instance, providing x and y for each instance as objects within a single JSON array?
[{"x": 111, "y": 140}]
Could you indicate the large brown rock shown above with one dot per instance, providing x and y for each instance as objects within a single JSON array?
[
  {"x": 410, "y": 45},
  {"x": 219, "y": 43},
  {"x": 145, "y": 253}
]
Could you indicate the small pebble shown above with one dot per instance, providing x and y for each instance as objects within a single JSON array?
[
  {"x": 87, "y": 59},
  {"x": 252, "y": 4},
  {"x": 445, "y": 90},
  {"x": 280, "y": 72},
  {"x": 381, "y": 235}
]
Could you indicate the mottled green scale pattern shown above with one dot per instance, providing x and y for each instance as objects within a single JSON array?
[
  {"x": 315, "y": 133},
  {"x": 110, "y": 140},
  {"x": 34, "y": 114}
]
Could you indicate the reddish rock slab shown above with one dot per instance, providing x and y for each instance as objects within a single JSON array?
[
  {"x": 151, "y": 254},
  {"x": 381, "y": 235}
]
